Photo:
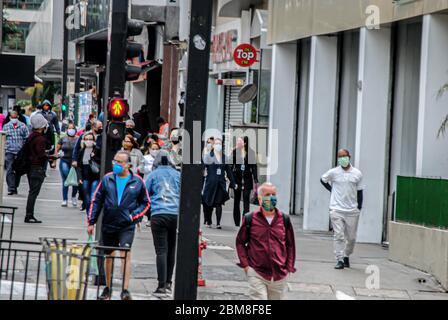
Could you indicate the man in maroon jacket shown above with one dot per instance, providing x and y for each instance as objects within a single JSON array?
[
  {"x": 38, "y": 158},
  {"x": 266, "y": 248}
]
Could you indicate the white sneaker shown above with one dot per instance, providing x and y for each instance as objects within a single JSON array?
[
  {"x": 75, "y": 202},
  {"x": 64, "y": 204}
]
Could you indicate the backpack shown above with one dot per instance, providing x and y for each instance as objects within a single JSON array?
[
  {"x": 248, "y": 223},
  {"x": 22, "y": 163}
]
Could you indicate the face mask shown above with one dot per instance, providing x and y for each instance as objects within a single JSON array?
[
  {"x": 99, "y": 131},
  {"x": 71, "y": 132},
  {"x": 118, "y": 169},
  {"x": 218, "y": 148},
  {"x": 154, "y": 153},
  {"x": 209, "y": 146},
  {"x": 269, "y": 203},
  {"x": 89, "y": 144},
  {"x": 344, "y": 162}
]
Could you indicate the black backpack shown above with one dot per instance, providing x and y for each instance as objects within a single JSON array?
[
  {"x": 22, "y": 164},
  {"x": 248, "y": 223}
]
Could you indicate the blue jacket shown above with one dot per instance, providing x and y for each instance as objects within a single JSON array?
[
  {"x": 163, "y": 185},
  {"x": 134, "y": 204}
]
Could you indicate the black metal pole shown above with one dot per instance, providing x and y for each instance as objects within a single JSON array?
[
  {"x": 65, "y": 60},
  {"x": 1, "y": 26},
  {"x": 115, "y": 68},
  {"x": 186, "y": 286},
  {"x": 115, "y": 79}
]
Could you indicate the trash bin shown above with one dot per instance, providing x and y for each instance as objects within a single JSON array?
[{"x": 67, "y": 269}]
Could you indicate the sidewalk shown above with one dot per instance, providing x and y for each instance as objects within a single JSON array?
[{"x": 315, "y": 279}]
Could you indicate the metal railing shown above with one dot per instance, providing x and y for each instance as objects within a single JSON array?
[
  {"x": 21, "y": 273},
  {"x": 7, "y": 216},
  {"x": 57, "y": 269}
]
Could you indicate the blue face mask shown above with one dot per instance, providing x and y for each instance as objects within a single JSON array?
[{"x": 118, "y": 169}]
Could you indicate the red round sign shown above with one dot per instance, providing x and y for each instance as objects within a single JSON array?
[{"x": 245, "y": 55}]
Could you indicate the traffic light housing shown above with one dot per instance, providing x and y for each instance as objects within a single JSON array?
[
  {"x": 64, "y": 108},
  {"x": 118, "y": 108},
  {"x": 134, "y": 49}
]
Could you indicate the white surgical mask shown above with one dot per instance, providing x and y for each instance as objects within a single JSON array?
[
  {"x": 71, "y": 132},
  {"x": 154, "y": 153},
  {"x": 218, "y": 148},
  {"x": 89, "y": 144}
]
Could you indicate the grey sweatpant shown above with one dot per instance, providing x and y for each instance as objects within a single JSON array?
[{"x": 345, "y": 226}]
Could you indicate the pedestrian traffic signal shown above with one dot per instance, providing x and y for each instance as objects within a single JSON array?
[
  {"x": 64, "y": 107},
  {"x": 118, "y": 108},
  {"x": 134, "y": 49}
]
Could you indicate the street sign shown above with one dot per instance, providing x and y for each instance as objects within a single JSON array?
[
  {"x": 230, "y": 82},
  {"x": 245, "y": 55}
]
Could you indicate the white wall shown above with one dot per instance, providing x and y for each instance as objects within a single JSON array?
[
  {"x": 282, "y": 116},
  {"x": 137, "y": 95},
  {"x": 348, "y": 92},
  {"x": 406, "y": 102},
  {"x": 215, "y": 106},
  {"x": 19, "y": 15},
  {"x": 39, "y": 40},
  {"x": 302, "y": 130},
  {"x": 432, "y": 153},
  {"x": 184, "y": 23},
  {"x": 321, "y": 130},
  {"x": 372, "y": 129}
]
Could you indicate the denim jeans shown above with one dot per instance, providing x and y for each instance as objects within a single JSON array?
[
  {"x": 64, "y": 169},
  {"x": 12, "y": 179},
  {"x": 89, "y": 188}
]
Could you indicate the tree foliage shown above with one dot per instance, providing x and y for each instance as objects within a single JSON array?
[
  {"x": 41, "y": 92},
  {"x": 9, "y": 28}
]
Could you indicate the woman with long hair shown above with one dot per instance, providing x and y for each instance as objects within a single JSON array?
[
  {"x": 130, "y": 145},
  {"x": 245, "y": 171},
  {"x": 88, "y": 178},
  {"x": 64, "y": 150},
  {"x": 214, "y": 194}
]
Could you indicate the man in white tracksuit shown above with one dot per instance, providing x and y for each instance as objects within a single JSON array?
[{"x": 345, "y": 185}]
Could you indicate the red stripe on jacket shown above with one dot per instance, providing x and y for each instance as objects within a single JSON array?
[{"x": 141, "y": 214}]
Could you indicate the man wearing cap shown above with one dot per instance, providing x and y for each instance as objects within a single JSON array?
[{"x": 38, "y": 158}]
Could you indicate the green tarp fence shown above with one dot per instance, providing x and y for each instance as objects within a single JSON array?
[{"x": 422, "y": 201}]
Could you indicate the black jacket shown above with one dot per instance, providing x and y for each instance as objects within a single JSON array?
[
  {"x": 84, "y": 171},
  {"x": 215, "y": 186},
  {"x": 134, "y": 204},
  {"x": 249, "y": 176}
]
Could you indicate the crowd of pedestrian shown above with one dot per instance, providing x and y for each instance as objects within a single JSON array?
[{"x": 146, "y": 181}]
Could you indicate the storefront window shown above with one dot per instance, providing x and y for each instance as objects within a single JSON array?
[{"x": 264, "y": 81}]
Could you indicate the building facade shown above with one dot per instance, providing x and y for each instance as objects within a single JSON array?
[
  {"x": 360, "y": 75},
  {"x": 22, "y": 14}
]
